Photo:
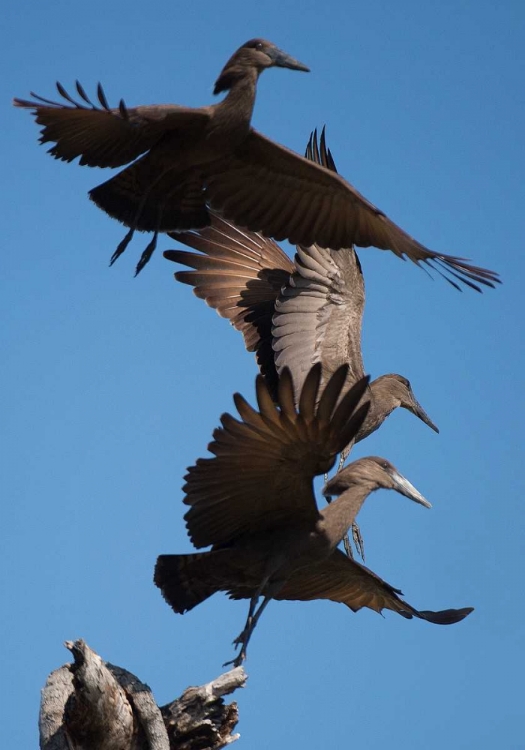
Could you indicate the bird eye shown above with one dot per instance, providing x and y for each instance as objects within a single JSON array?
[{"x": 259, "y": 45}]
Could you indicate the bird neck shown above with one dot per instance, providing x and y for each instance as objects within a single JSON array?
[
  {"x": 382, "y": 404},
  {"x": 341, "y": 513},
  {"x": 236, "y": 109}
]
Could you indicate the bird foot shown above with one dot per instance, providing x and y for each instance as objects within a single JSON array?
[
  {"x": 348, "y": 547},
  {"x": 358, "y": 541},
  {"x": 146, "y": 255},
  {"x": 237, "y": 662},
  {"x": 241, "y": 640},
  {"x": 122, "y": 246}
]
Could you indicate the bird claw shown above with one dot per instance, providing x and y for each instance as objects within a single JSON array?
[
  {"x": 237, "y": 662},
  {"x": 122, "y": 246},
  {"x": 358, "y": 541},
  {"x": 241, "y": 656},
  {"x": 146, "y": 255},
  {"x": 241, "y": 640},
  {"x": 348, "y": 547}
]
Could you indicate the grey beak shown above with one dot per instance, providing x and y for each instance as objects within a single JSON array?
[
  {"x": 403, "y": 486},
  {"x": 283, "y": 60},
  {"x": 423, "y": 416}
]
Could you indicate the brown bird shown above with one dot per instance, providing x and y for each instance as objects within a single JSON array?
[
  {"x": 191, "y": 159},
  {"x": 291, "y": 314},
  {"x": 254, "y": 502}
]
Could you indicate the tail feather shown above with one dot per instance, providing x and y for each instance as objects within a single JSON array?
[{"x": 187, "y": 580}]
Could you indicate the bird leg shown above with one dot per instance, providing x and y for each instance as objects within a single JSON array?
[
  {"x": 356, "y": 533},
  {"x": 127, "y": 239},
  {"x": 254, "y": 614},
  {"x": 123, "y": 244},
  {"x": 346, "y": 541},
  {"x": 148, "y": 252},
  {"x": 348, "y": 547},
  {"x": 358, "y": 541},
  {"x": 244, "y": 637}
]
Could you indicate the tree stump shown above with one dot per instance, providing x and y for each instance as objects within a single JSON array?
[{"x": 94, "y": 705}]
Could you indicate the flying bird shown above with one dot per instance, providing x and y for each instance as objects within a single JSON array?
[
  {"x": 254, "y": 503},
  {"x": 187, "y": 159},
  {"x": 292, "y": 314}
]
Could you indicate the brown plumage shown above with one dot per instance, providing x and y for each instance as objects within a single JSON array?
[
  {"x": 291, "y": 314},
  {"x": 190, "y": 158},
  {"x": 254, "y": 503}
]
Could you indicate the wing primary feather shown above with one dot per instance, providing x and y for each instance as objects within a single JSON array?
[
  {"x": 285, "y": 392},
  {"x": 349, "y": 402},
  {"x": 265, "y": 401},
  {"x": 102, "y": 97},
  {"x": 83, "y": 95},
  {"x": 309, "y": 391},
  {"x": 445, "y": 616},
  {"x": 332, "y": 393},
  {"x": 66, "y": 96}
]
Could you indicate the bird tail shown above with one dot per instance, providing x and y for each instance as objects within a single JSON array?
[
  {"x": 151, "y": 197},
  {"x": 187, "y": 580}
]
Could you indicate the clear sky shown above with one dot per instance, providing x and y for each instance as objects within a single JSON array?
[{"x": 111, "y": 386}]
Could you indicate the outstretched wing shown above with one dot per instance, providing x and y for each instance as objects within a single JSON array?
[
  {"x": 319, "y": 312},
  {"x": 261, "y": 474},
  {"x": 343, "y": 580},
  {"x": 240, "y": 274},
  {"x": 267, "y": 187},
  {"x": 101, "y": 136}
]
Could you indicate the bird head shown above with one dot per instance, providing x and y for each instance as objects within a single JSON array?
[
  {"x": 400, "y": 390},
  {"x": 257, "y": 54},
  {"x": 375, "y": 472}
]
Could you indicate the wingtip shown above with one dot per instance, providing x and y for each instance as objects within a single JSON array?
[{"x": 446, "y": 616}]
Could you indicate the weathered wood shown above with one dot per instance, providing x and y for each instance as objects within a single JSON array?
[
  {"x": 94, "y": 705},
  {"x": 200, "y": 718}
]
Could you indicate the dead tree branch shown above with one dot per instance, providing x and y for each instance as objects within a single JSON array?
[{"x": 94, "y": 705}]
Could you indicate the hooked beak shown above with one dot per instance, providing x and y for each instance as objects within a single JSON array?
[
  {"x": 423, "y": 416},
  {"x": 282, "y": 60},
  {"x": 403, "y": 486}
]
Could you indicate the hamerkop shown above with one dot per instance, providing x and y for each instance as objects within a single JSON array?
[
  {"x": 193, "y": 158},
  {"x": 254, "y": 503},
  {"x": 291, "y": 314}
]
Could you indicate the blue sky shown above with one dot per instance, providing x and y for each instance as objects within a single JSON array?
[{"x": 111, "y": 386}]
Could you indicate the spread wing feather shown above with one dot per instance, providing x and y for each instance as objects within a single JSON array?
[
  {"x": 105, "y": 137},
  {"x": 263, "y": 466},
  {"x": 341, "y": 579},
  {"x": 260, "y": 167}
]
